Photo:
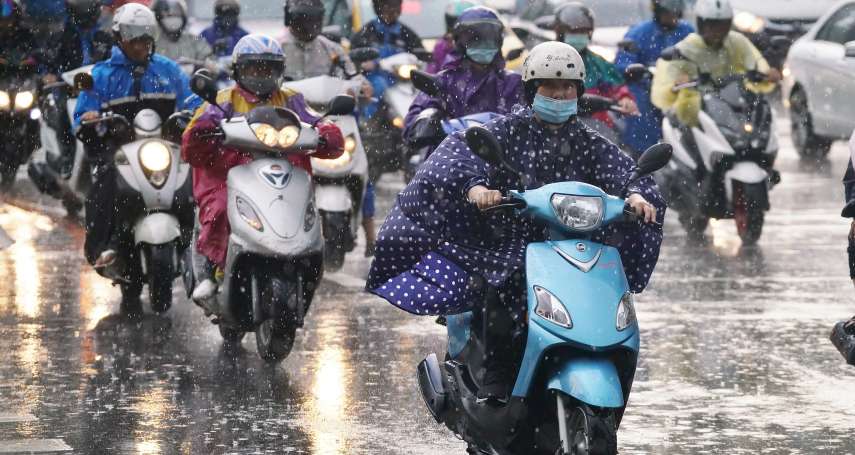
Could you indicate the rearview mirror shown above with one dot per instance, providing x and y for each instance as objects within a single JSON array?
[
  {"x": 341, "y": 105},
  {"x": 83, "y": 81},
  {"x": 545, "y": 22},
  {"x": 484, "y": 145},
  {"x": 628, "y": 45},
  {"x": 635, "y": 72},
  {"x": 670, "y": 54},
  {"x": 423, "y": 54},
  {"x": 203, "y": 84},
  {"x": 425, "y": 82},
  {"x": 514, "y": 54},
  {"x": 364, "y": 54},
  {"x": 590, "y": 104},
  {"x": 654, "y": 158}
]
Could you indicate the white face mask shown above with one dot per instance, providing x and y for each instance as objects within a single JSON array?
[{"x": 172, "y": 24}]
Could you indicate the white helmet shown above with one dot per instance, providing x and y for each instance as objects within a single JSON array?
[
  {"x": 554, "y": 60},
  {"x": 713, "y": 10},
  {"x": 133, "y": 21}
]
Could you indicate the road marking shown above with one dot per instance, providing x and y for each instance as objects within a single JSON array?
[
  {"x": 13, "y": 418},
  {"x": 34, "y": 446},
  {"x": 346, "y": 280}
]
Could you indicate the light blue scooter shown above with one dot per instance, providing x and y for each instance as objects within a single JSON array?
[{"x": 582, "y": 342}]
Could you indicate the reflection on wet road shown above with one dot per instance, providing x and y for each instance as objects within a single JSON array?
[{"x": 735, "y": 356}]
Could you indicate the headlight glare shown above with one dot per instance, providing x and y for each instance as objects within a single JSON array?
[
  {"x": 155, "y": 156},
  {"x": 4, "y": 100},
  {"x": 349, "y": 144},
  {"x": 247, "y": 213},
  {"x": 625, "y": 312},
  {"x": 550, "y": 308},
  {"x": 266, "y": 134},
  {"x": 748, "y": 22},
  {"x": 341, "y": 161},
  {"x": 406, "y": 71},
  {"x": 580, "y": 213},
  {"x": 398, "y": 122},
  {"x": 24, "y": 100}
]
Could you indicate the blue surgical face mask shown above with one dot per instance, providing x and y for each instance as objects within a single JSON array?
[
  {"x": 555, "y": 111},
  {"x": 579, "y": 41},
  {"x": 482, "y": 55}
]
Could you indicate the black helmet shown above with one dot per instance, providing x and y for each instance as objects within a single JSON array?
[
  {"x": 377, "y": 4},
  {"x": 574, "y": 15},
  {"x": 307, "y": 8},
  {"x": 84, "y": 13}
]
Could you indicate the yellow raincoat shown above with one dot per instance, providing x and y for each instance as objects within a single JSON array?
[{"x": 736, "y": 56}]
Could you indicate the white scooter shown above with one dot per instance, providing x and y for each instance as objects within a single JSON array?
[
  {"x": 274, "y": 259},
  {"x": 339, "y": 183},
  {"x": 723, "y": 167}
]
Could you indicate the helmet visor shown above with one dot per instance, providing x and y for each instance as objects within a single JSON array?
[{"x": 130, "y": 32}]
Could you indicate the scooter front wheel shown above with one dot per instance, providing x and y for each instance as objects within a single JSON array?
[
  {"x": 585, "y": 431},
  {"x": 161, "y": 274},
  {"x": 748, "y": 212},
  {"x": 274, "y": 337}
]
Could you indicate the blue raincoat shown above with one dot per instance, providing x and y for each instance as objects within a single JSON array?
[
  {"x": 114, "y": 80},
  {"x": 434, "y": 241},
  {"x": 650, "y": 40}
]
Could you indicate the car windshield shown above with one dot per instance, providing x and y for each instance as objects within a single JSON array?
[
  {"x": 425, "y": 17},
  {"x": 249, "y": 9}
]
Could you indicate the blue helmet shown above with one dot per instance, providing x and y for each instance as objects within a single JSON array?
[
  {"x": 478, "y": 24},
  {"x": 8, "y": 9},
  {"x": 259, "y": 50}
]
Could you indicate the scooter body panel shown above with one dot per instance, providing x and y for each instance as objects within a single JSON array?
[
  {"x": 744, "y": 172},
  {"x": 591, "y": 380}
]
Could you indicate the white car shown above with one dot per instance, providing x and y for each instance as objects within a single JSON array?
[{"x": 818, "y": 82}]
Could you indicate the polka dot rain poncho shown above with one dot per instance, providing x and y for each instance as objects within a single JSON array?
[{"x": 434, "y": 240}]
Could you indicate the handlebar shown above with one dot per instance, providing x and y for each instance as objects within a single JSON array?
[{"x": 704, "y": 78}]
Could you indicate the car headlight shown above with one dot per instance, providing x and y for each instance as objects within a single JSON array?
[
  {"x": 24, "y": 100},
  {"x": 266, "y": 134},
  {"x": 288, "y": 136},
  {"x": 309, "y": 218},
  {"x": 748, "y": 22},
  {"x": 4, "y": 100},
  {"x": 155, "y": 157},
  {"x": 625, "y": 312},
  {"x": 550, "y": 308},
  {"x": 580, "y": 213},
  {"x": 247, "y": 213},
  {"x": 405, "y": 72},
  {"x": 349, "y": 144}
]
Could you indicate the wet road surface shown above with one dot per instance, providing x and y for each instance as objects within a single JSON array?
[{"x": 735, "y": 356}]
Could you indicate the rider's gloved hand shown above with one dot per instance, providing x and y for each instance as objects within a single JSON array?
[
  {"x": 484, "y": 197},
  {"x": 332, "y": 142},
  {"x": 645, "y": 210}
]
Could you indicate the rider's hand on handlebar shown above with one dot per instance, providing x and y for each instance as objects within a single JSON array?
[
  {"x": 368, "y": 66},
  {"x": 642, "y": 208},
  {"x": 484, "y": 197},
  {"x": 774, "y": 75},
  {"x": 627, "y": 106},
  {"x": 89, "y": 116}
]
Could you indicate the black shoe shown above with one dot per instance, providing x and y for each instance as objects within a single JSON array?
[{"x": 496, "y": 385}]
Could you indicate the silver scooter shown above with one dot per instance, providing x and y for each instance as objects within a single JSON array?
[
  {"x": 274, "y": 259},
  {"x": 339, "y": 183}
]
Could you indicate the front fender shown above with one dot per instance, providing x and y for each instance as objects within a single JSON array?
[
  {"x": 157, "y": 229},
  {"x": 591, "y": 380},
  {"x": 333, "y": 198}
]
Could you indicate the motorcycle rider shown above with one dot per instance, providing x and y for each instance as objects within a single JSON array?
[
  {"x": 225, "y": 32},
  {"x": 574, "y": 25},
  {"x": 310, "y": 54},
  {"x": 435, "y": 249},
  {"x": 644, "y": 44},
  {"x": 258, "y": 65},
  {"x": 16, "y": 44},
  {"x": 445, "y": 45},
  {"x": 174, "y": 42},
  {"x": 474, "y": 79},
  {"x": 715, "y": 50},
  {"x": 133, "y": 70}
]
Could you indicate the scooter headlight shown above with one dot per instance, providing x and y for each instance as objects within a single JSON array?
[
  {"x": 580, "y": 213},
  {"x": 288, "y": 136},
  {"x": 24, "y": 100},
  {"x": 349, "y": 144},
  {"x": 550, "y": 308},
  {"x": 266, "y": 134},
  {"x": 405, "y": 72},
  {"x": 247, "y": 213},
  {"x": 398, "y": 122},
  {"x": 5, "y": 102},
  {"x": 155, "y": 156},
  {"x": 625, "y": 312}
]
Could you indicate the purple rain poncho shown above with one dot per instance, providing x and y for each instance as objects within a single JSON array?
[{"x": 433, "y": 240}]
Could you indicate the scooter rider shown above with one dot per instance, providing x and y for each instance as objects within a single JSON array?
[
  {"x": 644, "y": 44},
  {"x": 258, "y": 65},
  {"x": 574, "y": 25},
  {"x": 311, "y": 54},
  {"x": 474, "y": 79},
  {"x": 715, "y": 50},
  {"x": 174, "y": 42},
  {"x": 445, "y": 45},
  {"x": 435, "y": 249},
  {"x": 226, "y": 31},
  {"x": 133, "y": 70},
  {"x": 16, "y": 44}
]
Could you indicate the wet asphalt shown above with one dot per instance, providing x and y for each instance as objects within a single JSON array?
[{"x": 735, "y": 354}]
